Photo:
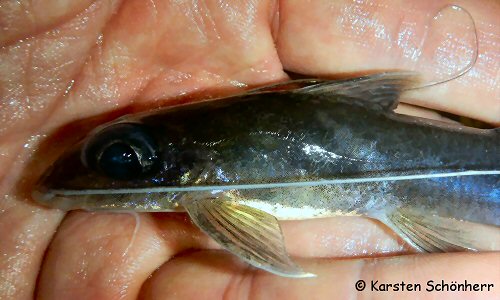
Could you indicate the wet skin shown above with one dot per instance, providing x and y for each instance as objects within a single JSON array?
[
  {"x": 85, "y": 255},
  {"x": 282, "y": 137}
]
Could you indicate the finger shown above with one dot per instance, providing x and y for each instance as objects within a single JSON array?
[
  {"x": 220, "y": 276},
  {"x": 34, "y": 72},
  {"x": 37, "y": 71},
  {"x": 19, "y": 19},
  {"x": 94, "y": 255},
  {"x": 25, "y": 232},
  {"x": 341, "y": 237},
  {"x": 163, "y": 49},
  {"x": 342, "y": 36},
  {"x": 407, "y": 109}
]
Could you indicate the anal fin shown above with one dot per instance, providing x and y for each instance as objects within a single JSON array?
[
  {"x": 433, "y": 233},
  {"x": 251, "y": 234}
]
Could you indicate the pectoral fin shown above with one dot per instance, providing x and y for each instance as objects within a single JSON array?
[
  {"x": 432, "y": 233},
  {"x": 253, "y": 235}
]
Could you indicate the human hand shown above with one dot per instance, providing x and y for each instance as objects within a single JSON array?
[{"x": 61, "y": 63}]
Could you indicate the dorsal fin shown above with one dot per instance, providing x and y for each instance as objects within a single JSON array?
[
  {"x": 290, "y": 85},
  {"x": 380, "y": 90}
]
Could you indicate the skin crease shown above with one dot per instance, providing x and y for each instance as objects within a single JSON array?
[{"x": 78, "y": 60}]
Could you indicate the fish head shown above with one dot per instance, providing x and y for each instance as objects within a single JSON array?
[{"x": 120, "y": 165}]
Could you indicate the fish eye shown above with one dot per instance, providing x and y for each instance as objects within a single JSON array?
[{"x": 122, "y": 151}]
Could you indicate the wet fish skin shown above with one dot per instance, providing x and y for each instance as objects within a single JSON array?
[
  {"x": 288, "y": 137},
  {"x": 310, "y": 132}
]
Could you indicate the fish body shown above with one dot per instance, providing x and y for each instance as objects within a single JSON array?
[{"x": 300, "y": 150}]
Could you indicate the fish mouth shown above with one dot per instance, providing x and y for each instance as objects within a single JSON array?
[
  {"x": 48, "y": 198},
  {"x": 42, "y": 194}
]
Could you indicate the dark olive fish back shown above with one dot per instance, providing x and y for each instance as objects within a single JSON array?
[{"x": 283, "y": 137}]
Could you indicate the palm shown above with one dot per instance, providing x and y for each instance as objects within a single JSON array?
[{"x": 150, "y": 51}]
